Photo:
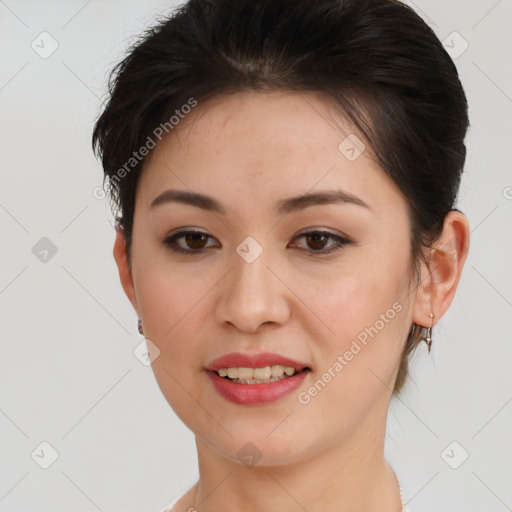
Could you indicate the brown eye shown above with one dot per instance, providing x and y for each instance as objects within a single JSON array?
[
  {"x": 194, "y": 242},
  {"x": 318, "y": 240}
]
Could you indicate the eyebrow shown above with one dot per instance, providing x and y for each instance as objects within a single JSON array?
[{"x": 284, "y": 206}]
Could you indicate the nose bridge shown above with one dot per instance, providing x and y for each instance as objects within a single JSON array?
[
  {"x": 251, "y": 277},
  {"x": 251, "y": 294}
]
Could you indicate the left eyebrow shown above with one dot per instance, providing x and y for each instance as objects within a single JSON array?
[
  {"x": 283, "y": 206},
  {"x": 319, "y": 198}
]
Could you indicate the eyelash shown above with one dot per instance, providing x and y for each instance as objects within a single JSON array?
[{"x": 340, "y": 242}]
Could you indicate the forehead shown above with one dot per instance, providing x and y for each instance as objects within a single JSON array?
[
  {"x": 281, "y": 120},
  {"x": 254, "y": 145}
]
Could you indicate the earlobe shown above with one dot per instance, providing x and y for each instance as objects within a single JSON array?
[
  {"x": 123, "y": 266},
  {"x": 447, "y": 257}
]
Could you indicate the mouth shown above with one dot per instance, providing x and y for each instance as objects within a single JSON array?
[
  {"x": 261, "y": 375},
  {"x": 236, "y": 385},
  {"x": 256, "y": 379}
]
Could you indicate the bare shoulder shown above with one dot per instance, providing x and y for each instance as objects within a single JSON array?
[
  {"x": 178, "y": 504},
  {"x": 169, "y": 508}
]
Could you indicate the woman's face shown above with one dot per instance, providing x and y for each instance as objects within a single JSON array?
[{"x": 252, "y": 282}]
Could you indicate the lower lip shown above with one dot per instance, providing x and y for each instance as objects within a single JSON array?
[{"x": 256, "y": 394}]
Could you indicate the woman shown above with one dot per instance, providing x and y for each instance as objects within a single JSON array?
[{"x": 284, "y": 175}]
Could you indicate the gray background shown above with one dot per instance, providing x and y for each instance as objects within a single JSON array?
[{"x": 68, "y": 376}]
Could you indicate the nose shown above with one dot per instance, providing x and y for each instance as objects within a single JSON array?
[{"x": 252, "y": 295}]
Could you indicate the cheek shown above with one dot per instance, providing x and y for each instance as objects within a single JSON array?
[
  {"x": 364, "y": 307},
  {"x": 170, "y": 303},
  {"x": 351, "y": 299},
  {"x": 358, "y": 362},
  {"x": 171, "y": 300}
]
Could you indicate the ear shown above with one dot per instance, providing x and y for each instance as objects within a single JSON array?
[
  {"x": 440, "y": 279},
  {"x": 123, "y": 266}
]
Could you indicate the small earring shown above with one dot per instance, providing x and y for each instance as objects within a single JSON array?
[
  {"x": 428, "y": 338},
  {"x": 139, "y": 326}
]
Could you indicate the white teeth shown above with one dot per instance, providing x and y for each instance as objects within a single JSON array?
[
  {"x": 258, "y": 381},
  {"x": 260, "y": 373},
  {"x": 244, "y": 373},
  {"x": 265, "y": 373},
  {"x": 232, "y": 373}
]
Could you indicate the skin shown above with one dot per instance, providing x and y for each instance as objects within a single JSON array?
[{"x": 249, "y": 150}]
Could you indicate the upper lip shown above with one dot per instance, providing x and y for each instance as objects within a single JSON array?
[{"x": 240, "y": 360}]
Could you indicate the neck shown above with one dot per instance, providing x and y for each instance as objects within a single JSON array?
[{"x": 351, "y": 475}]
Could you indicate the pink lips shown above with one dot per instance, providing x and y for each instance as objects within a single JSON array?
[
  {"x": 255, "y": 394},
  {"x": 239, "y": 360}
]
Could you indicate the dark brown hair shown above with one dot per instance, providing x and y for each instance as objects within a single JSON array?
[{"x": 377, "y": 59}]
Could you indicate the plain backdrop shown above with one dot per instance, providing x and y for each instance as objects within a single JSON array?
[{"x": 73, "y": 396}]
